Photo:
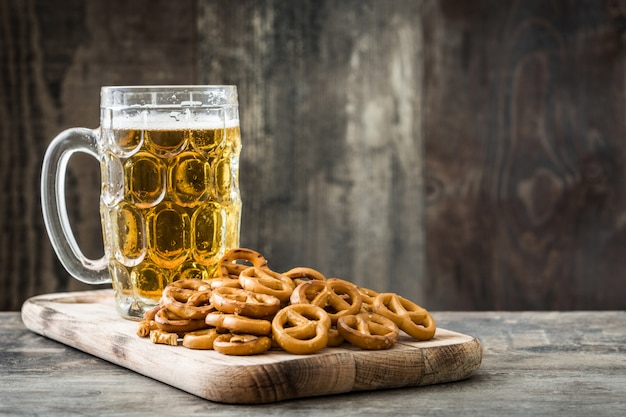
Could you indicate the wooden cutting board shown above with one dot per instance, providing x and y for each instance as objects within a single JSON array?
[{"x": 89, "y": 322}]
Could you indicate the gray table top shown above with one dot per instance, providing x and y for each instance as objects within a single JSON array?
[{"x": 534, "y": 363}]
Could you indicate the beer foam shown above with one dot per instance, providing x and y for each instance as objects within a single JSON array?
[
  {"x": 171, "y": 124},
  {"x": 169, "y": 118}
]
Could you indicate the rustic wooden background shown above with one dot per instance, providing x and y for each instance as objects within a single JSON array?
[{"x": 469, "y": 155}]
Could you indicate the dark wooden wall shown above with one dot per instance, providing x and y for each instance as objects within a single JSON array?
[{"x": 468, "y": 155}]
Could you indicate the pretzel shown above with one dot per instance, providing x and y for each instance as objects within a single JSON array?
[
  {"x": 163, "y": 338},
  {"x": 301, "y": 328},
  {"x": 148, "y": 315},
  {"x": 242, "y": 307},
  {"x": 413, "y": 319},
  {"x": 303, "y": 274},
  {"x": 224, "y": 282},
  {"x": 245, "y": 303},
  {"x": 229, "y": 267},
  {"x": 187, "y": 304},
  {"x": 145, "y": 327},
  {"x": 241, "y": 344},
  {"x": 190, "y": 285},
  {"x": 368, "y": 297},
  {"x": 200, "y": 339},
  {"x": 266, "y": 281},
  {"x": 368, "y": 330},
  {"x": 334, "y": 337},
  {"x": 239, "y": 324},
  {"x": 169, "y": 322},
  {"x": 336, "y": 296}
]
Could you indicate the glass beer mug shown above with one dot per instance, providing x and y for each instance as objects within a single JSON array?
[{"x": 169, "y": 204}]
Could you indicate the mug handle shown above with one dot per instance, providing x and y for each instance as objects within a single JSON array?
[{"x": 58, "y": 154}]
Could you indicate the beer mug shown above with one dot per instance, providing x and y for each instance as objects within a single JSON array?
[{"x": 169, "y": 203}]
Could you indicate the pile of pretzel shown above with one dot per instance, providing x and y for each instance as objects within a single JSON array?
[{"x": 249, "y": 308}]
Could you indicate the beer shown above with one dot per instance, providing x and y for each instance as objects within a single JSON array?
[
  {"x": 169, "y": 203},
  {"x": 170, "y": 206}
]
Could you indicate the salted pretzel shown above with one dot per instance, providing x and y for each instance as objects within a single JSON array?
[
  {"x": 230, "y": 264},
  {"x": 241, "y": 344},
  {"x": 200, "y": 339},
  {"x": 169, "y": 322},
  {"x": 336, "y": 296},
  {"x": 266, "y": 281},
  {"x": 245, "y": 303},
  {"x": 301, "y": 328},
  {"x": 302, "y": 274},
  {"x": 413, "y": 319},
  {"x": 368, "y": 330},
  {"x": 239, "y": 324},
  {"x": 186, "y": 303}
]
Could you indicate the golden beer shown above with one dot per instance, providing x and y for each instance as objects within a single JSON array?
[
  {"x": 169, "y": 203},
  {"x": 170, "y": 207}
]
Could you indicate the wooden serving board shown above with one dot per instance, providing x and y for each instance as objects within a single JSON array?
[{"x": 89, "y": 322}]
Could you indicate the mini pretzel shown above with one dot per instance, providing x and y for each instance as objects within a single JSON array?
[
  {"x": 368, "y": 297},
  {"x": 241, "y": 344},
  {"x": 238, "y": 312},
  {"x": 145, "y": 327},
  {"x": 334, "y": 337},
  {"x": 167, "y": 321},
  {"x": 148, "y": 324},
  {"x": 164, "y": 338},
  {"x": 266, "y": 281},
  {"x": 301, "y": 328},
  {"x": 303, "y": 274},
  {"x": 191, "y": 285},
  {"x": 368, "y": 331},
  {"x": 239, "y": 324},
  {"x": 224, "y": 282},
  {"x": 187, "y": 304},
  {"x": 229, "y": 266},
  {"x": 148, "y": 315},
  {"x": 245, "y": 303},
  {"x": 410, "y": 317},
  {"x": 200, "y": 339},
  {"x": 336, "y": 296}
]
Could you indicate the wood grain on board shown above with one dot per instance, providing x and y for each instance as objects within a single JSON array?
[{"x": 88, "y": 321}]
